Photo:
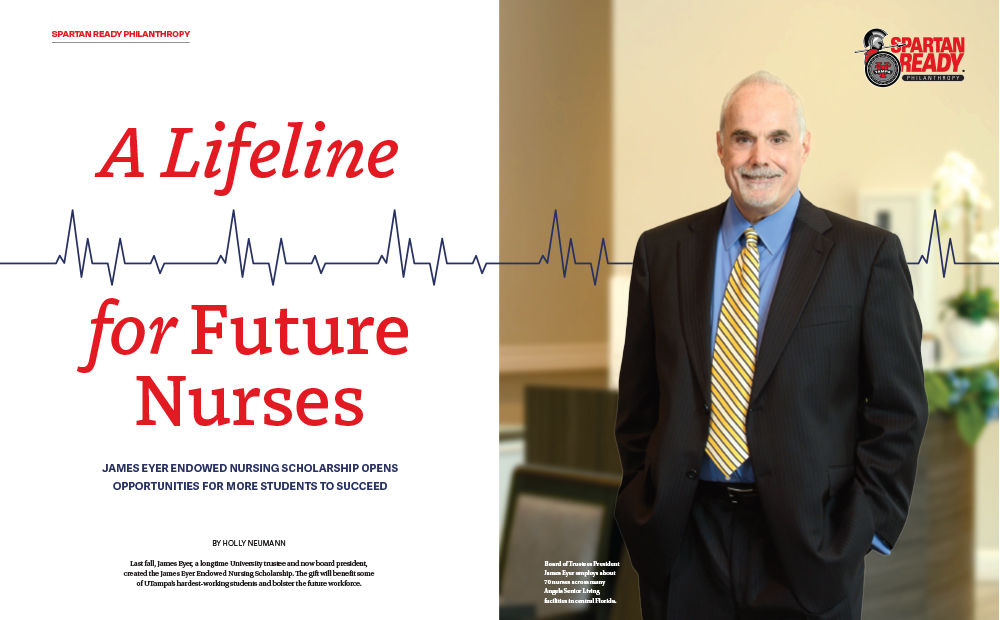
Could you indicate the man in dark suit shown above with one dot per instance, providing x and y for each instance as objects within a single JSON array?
[{"x": 771, "y": 393}]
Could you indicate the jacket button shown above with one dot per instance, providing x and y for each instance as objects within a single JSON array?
[
  {"x": 692, "y": 474},
  {"x": 708, "y": 408}
]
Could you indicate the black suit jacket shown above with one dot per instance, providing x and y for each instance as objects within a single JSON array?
[{"x": 837, "y": 406}]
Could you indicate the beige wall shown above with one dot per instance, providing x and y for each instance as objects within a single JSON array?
[
  {"x": 674, "y": 62},
  {"x": 555, "y": 153}
]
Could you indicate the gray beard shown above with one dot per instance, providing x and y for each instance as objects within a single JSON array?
[{"x": 757, "y": 198}]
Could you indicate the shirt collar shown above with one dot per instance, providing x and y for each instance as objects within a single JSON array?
[{"x": 773, "y": 230}]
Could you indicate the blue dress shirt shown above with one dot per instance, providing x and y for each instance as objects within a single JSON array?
[{"x": 774, "y": 232}]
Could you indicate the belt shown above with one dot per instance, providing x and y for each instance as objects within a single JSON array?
[{"x": 731, "y": 492}]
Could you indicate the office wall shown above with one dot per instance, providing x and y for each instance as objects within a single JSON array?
[
  {"x": 674, "y": 62},
  {"x": 555, "y": 154}
]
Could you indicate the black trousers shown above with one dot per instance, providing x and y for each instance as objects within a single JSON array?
[{"x": 727, "y": 569}]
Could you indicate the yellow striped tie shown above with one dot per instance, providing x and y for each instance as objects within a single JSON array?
[{"x": 733, "y": 360}]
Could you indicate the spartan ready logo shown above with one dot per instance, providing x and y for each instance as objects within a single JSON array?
[{"x": 920, "y": 59}]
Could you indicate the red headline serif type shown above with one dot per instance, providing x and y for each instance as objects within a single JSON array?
[
  {"x": 261, "y": 155},
  {"x": 172, "y": 408},
  {"x": 389, "y": 328}
]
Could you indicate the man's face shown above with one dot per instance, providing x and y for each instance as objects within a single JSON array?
[{"x": 761, "y": 152}]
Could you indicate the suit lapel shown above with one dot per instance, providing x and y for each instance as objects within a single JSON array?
[
  {"x": 804, "y": 260},
  {"x": 696, "y": 265}
]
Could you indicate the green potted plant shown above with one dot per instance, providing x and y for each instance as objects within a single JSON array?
[{"x": 967, "y": 394}]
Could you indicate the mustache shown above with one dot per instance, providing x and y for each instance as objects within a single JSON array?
[{"x": 760, "y": 173}]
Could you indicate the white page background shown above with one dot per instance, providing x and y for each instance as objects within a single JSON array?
[{"x": 424, "y": 75}]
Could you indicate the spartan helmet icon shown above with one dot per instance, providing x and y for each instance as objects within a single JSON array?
[
  {"x": 881, "y": 65},
  {"x": 874, "y": 38}
]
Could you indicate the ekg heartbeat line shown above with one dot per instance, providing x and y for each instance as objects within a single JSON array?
[
  {"x": 407, "y": 258},
  {"x": 943, "y": 254},
  {"x": 245, "y": 256}
]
